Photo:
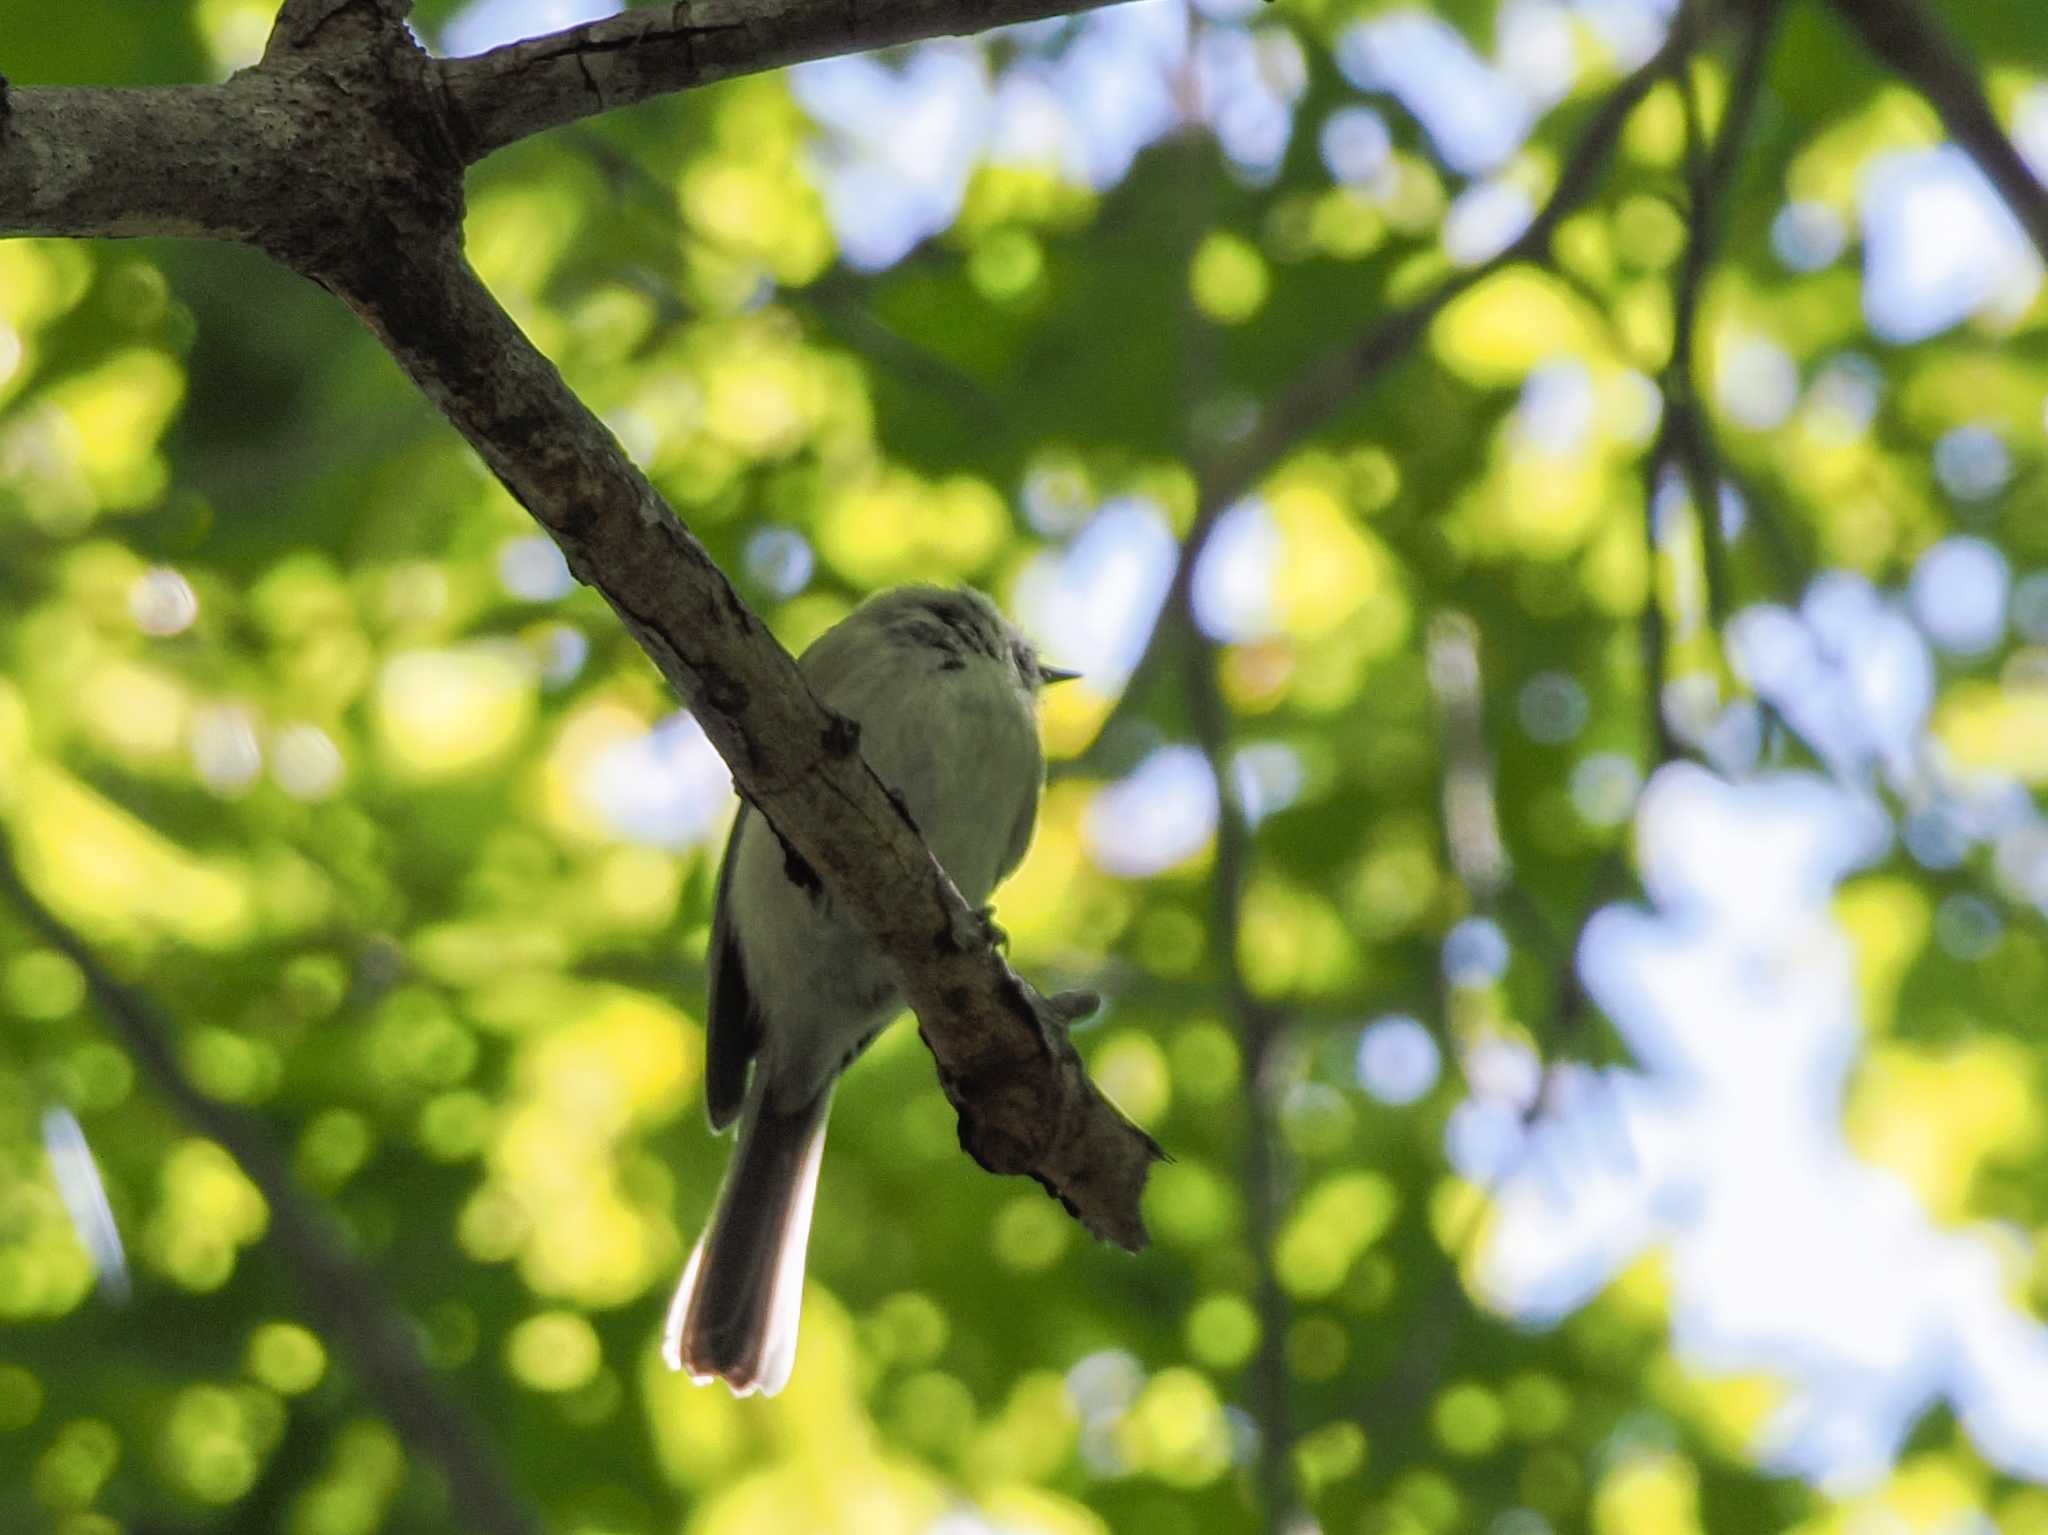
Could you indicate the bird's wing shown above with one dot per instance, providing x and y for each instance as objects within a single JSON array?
[{"x": 732, "y": 1031}]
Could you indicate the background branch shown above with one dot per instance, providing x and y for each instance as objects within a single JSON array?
[
  {"x": 343, "y": 1295},
  {"x": 1907, "y": 38},
  {"x": 1709, "y": 177},
  {"x": 1655, "y": 634},
  {"x": 1262, "y": 1163},
  {"x": 1261, "y": 1033}
]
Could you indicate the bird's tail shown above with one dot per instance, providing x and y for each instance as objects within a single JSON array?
[{"x": 735, "y": 1312}]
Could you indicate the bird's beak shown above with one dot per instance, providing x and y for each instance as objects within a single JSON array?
[{"x": 1052, "y": 674}]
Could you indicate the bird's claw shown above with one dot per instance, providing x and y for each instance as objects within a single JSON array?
[{"x": 992, "y": 930}]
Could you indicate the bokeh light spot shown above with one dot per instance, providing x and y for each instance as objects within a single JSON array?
[
  {"x": 286, "y": 1357},
  {"x": 1468, "y": 1419},
  {"x": 1958, "y": 592},
  {"x": 1333, "y": 1225},
  {"x": 1163, "y": 814},
  {"x": 1030, "y": 1234},
  {"x": 1228, "y": 279},
  {"x": 1222, "y": 1330},
  {"x": 555, "y": 1351},
  {"x": 163, "y": 602},
  {"x": 1131, "y": 1068},
  {"x": 1398, "y": 1061}
]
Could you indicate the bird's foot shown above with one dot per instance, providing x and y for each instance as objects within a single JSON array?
[{"x": 991, "y": 929}]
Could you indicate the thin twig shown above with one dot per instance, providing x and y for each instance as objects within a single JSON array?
[
  {"x": 1907, "y": 38},
  {"x": 342, "y": 1294},
  {"x": 1709, "y": 176},
  {"x": 1656, "y": 633},
  {"x": 1788, "y": 566},
  {"x": 1680, "y": 384},
  {"x": 1571, "y": 1007}
]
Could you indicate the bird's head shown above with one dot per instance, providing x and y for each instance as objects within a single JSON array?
[{"x": 966, "y": 623}]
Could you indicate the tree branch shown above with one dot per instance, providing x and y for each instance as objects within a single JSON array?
[
  {"x": 1324, "y": 386},
  {"x": 1026, "y": 1105},
  {"x": 526, "y": 87},
  {"x": 1908, "y": 39},
  {"x": 1261, "y": 1030},
  {"x": 339, "y": 156},
  {"x": 342, "y": 1294},
  {"x": 200, "y": 161},
  {"x": 1655, "y": 631},
  {"x": 1709, "y": 177},
  {"x": 1263, "y": 1163},
  {"x": 180, "y": 160},
  {"x": 303, "y": 25},
  {"x": 1571, "y": 1005}
]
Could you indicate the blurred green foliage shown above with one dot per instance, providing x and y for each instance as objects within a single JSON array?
[{"x": 279, "y": 739}]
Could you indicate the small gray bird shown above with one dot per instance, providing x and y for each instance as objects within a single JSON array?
[{"x": 943, "y": 690}]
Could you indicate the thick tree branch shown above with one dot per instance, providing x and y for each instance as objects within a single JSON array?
[
  {"x": 342, "y": 1294},
  {"x": 526, "y": 87},
  {"x": 1907, "y": 38},
  {"x": 1326, "y": 385},
  {"x": 316, "y": 149},
  {"x": 1026, "y": 1105},
  {"x": 340, "y": 156},
  {"x": 192, "y": 160}
]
